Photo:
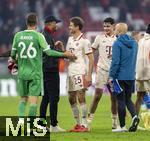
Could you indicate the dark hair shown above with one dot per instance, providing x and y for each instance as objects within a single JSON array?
[
  {"x": 77, "y": 21},
  {"x": 148, "y": 29},
  {"x": 31, "y": 19},
  {"x": 109, "y": 20}
]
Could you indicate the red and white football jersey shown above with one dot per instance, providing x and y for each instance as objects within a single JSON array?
[
  {"x": 80, "y": 47},
  {"x": 104, "y": 45}
]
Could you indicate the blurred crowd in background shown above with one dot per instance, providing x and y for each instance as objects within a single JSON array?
[{"x": 136, "y": 13}]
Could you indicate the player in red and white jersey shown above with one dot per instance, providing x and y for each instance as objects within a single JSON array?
[
  {"x": 81, "y": 47},
  {"x": 103, "y": 43},
  {"x": 79, "y": 75}
]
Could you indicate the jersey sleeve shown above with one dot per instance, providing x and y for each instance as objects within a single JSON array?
[
  {"x": 46, "y": 48},
  {"x": 95, "y": 44},
  {"x": 87, "y": 47},
  {"x": 14, "y": 48}
]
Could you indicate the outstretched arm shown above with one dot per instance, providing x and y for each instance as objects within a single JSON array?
[{"x": 46, "y": 48}]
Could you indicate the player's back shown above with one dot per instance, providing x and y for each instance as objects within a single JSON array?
[{"x": 29, "y": 54}]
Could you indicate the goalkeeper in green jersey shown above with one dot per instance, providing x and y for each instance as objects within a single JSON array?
[{"x": 27, "y": 49}]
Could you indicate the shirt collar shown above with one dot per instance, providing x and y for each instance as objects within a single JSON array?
[
  {"x": 79, "y": 37},
  {"x": 112, "y": 36}
]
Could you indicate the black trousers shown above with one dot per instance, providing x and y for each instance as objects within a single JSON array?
[
  {"x": 124, "y": 100},
  {"x": 51, "y": 96}
]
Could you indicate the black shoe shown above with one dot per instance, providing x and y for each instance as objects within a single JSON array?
[{"x": 134, "y": 124}]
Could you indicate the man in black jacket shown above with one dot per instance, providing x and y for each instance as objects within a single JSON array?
[{"x": 51, "y": 75}]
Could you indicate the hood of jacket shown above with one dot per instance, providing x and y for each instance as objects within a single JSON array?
[{"x": 127, "y": 40}]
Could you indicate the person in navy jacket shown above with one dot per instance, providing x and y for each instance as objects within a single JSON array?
[{"x": 124, "y": 53}]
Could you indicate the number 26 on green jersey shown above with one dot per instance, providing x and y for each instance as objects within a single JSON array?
[{"x": 29, "y": 53}]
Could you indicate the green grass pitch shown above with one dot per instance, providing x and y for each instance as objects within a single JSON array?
[{"x": 100, "y": 128}]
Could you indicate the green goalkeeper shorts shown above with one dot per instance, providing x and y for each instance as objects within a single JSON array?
[{"x": 30, "y": 87}]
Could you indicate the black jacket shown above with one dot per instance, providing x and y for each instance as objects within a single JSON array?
[{"x": 50, "y": 64}]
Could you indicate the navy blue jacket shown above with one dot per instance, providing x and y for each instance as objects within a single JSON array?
[{"x": 124, "y": 52}]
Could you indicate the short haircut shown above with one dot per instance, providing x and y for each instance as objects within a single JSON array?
[
  {"x": 77, "y": 21},
  {"x": 31, "y": 19},
  {"x": 109, "y": 20}
]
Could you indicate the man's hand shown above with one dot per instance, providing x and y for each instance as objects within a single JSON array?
[
  {"x": 60, "y": 45},
  {"x": 69, "y": 55},
  {"x": 110, "y": 85},
  {"x": 88, "y": 79},
  {"x": 109, "y": 81}
]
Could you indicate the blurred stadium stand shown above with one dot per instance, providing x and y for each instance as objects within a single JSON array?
[{"x": 12, "y": 14}]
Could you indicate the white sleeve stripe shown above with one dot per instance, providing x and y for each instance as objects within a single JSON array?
[
  {"x": 48, "y": 47},
  {"x": 14, "y": 49}
]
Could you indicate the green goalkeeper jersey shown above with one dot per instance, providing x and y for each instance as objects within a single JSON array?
[{"x": 27, "y": 48}]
